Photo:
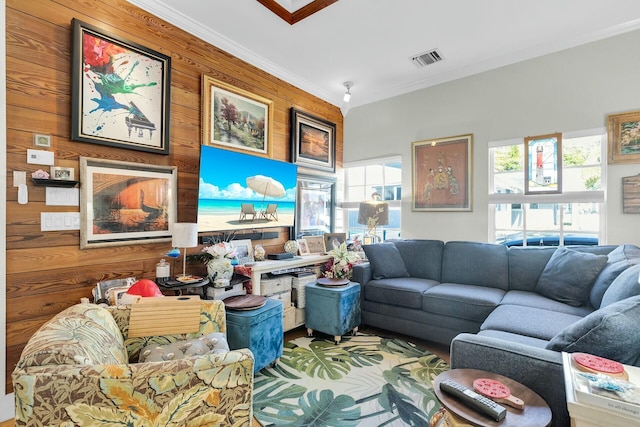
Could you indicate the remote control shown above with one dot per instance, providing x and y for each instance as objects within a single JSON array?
[{"x": 474, "y": 400}]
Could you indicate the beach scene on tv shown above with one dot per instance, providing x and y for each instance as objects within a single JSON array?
[{"x": 241, "y": 191}]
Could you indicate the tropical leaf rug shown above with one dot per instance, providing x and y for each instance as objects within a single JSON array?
[{"x": 366, "y": 380}]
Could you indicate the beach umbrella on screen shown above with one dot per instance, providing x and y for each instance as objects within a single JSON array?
[{"x": 266, "y": 186}]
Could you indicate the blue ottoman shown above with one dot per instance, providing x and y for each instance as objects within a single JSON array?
[
  {"x": 332, "y": 310},
  {"x": 259, "y": 330}
]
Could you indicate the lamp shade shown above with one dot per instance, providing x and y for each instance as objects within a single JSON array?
[
  {"x": 373, "y": 214},
  {"x": 184, "y": 235}
]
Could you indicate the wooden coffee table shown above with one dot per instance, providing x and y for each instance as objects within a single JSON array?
[{"x": 536, "y": 412}]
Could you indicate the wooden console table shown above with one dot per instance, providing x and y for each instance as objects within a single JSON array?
[{"x": 269, "y": 266}]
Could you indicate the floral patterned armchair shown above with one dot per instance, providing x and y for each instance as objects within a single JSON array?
[{"x": 79, "y": 369}]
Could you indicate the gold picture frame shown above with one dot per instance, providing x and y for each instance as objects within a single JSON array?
[
  {"x": 623, "y": 135},
  {"x": 441, "y": 174},
  {"x": 244, "y": 126}
]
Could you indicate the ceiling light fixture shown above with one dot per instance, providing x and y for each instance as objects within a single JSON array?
[{"x": 347, "y": 94}]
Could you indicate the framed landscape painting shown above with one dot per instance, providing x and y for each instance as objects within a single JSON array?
[
  {"x": 441, "y": 174},
  {"x": 119, "y": 92},
  {"x": 126, "y": 203},
  {"x": 313, "y": 141},
  {"x": 623, "y": 134},
  {"x": 235, "y": 118}
]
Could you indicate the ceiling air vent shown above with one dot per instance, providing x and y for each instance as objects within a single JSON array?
[{"x": 427, "y": 58}]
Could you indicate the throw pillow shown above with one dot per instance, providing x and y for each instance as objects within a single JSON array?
[
  {"x": 569, "y": 275},
  {"x": 214, "y": 342},
  {"x": 619, "y": 259},
  {"x": 625, "y": 286},
  {"x": 610, "y": 332},
  {"x": 386, "y": 261}
]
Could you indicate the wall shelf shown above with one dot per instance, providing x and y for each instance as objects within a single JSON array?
[{"x": 39, "y": 182}]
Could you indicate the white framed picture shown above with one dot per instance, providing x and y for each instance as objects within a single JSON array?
[
  {"x": 65, "y": 174},
  {"x": 244, "y": 251}
]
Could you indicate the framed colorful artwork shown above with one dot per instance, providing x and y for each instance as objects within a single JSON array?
[
  {"x": 313, "y": 141},
  {"x": 441, "y": 174},
  {"x": 623, "y": 134},
  {"x": 119, "y": 92},
  {"x": 543, "y": 160},
  {"x": 126, "y": 203},
  {"x": 235, "y": 118},
  {"x": 334, "y": 240},
  {"x": 244, "y": 251}
]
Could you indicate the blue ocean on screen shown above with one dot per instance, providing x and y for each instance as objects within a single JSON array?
[{"x": 232, "y": 207}]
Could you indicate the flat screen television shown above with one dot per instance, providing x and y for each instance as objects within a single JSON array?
[{"x": 240, "y": 191}]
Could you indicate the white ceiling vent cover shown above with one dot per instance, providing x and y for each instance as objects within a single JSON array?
[{"x": 427, "y": 58}]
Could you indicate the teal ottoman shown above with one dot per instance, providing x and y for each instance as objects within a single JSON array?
[
  {"x": 332, "y": 310},
  {"x": 260, "y": 330}
]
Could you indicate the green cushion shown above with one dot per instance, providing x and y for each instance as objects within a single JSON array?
[
  {"x": 610, "y": 332},
  {"x": 569, "y": 275}
]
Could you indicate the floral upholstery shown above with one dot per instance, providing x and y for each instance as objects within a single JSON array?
[{"x": 74, "y": 372}]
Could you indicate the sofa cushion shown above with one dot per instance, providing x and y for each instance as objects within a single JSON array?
[
  {"x": 472, "y": 263},
  {"x": 464, "y": 301},
  {"x": 528, "y": 321},
  {"x": 403, "y": 292},
  {"x": 621, "y": 258},
  {"x": 385, "y": 260},
  {"x": 624, "y": 286},
  {"x": 526, "y": 263},
  {"x": 83, "y": 334},
  {"x": 215, "y": 342},
  {"x": 569, "y": 275},
  {"x": 610, "y": 332},
  {"x": 423, "y": 258},
  {"x": 532, "y": 299}
]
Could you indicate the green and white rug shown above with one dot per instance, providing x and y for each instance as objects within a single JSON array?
[{"x": 366, "y": 380}]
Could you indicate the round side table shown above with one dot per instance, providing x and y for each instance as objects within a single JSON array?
[{"x": 536, "y": 412}]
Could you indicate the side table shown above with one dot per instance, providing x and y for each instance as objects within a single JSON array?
[
  {"x": 536, "y": 412},
  {"x": 332, "y": 310},
  {"x": 259, "y": 330}
]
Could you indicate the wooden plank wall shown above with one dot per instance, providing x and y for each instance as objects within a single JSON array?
[{"x": 47, "y": 271}]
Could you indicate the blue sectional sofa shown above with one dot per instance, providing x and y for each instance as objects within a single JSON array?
[{"x": 510, "y": 311}]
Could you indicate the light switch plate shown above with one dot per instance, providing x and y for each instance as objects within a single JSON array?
[
  {"x": 19, "y": 177},
  {"x": 53, "y": 221},
  {"x": 40, "y": 157}
]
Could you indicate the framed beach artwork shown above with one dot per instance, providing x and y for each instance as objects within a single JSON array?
[
  {"x": 119, "y": 92},
  {"x": 126, "y": 203},
  {"x": 240, "y": 191},
  {"x": 313, "y": 141},
  {"x": 543, "y": 160},
  {"x": 623, "y": 135},
  {"x": 235, "y": 118},
  {"x": 441, "y": 174}
]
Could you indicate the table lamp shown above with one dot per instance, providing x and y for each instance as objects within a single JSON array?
[
  {"x": 184, "y": 235},
  {"x": 373, "y": 213}
]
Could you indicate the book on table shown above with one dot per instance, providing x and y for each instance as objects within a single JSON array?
[{"x": 618, "y": 393}]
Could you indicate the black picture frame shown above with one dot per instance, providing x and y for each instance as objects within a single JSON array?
[
  {"x": 120, "y": 92},
  {"x": 313, "y": 141},
  {"x": 315, "y": 210}
]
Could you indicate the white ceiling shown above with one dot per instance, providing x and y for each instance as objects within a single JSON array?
[{"x": 370, "y": 42}]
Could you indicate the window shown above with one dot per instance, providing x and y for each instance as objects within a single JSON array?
[
  {"x": 576, "y": 216},
  {"x": 362, "y": 181}
]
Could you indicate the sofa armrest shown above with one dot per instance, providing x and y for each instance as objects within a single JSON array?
[
  {"x": 537, "y": 368},
  {"x": 209, "y": 389},
  {"x": 362, "y": 273}
]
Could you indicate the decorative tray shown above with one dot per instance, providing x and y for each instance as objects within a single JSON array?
[
  {"x": 188, "y": 279},
  {"x": 324, "y": 281},
  {"x": 245, "y": 302}
]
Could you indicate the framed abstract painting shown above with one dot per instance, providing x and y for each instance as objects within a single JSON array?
[{"x": 120, "y": 92}]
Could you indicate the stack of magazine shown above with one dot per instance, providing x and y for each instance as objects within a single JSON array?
[{"x": 616, "y": 393}]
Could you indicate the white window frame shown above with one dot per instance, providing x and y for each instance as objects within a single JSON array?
[{"x": 599, "y": 196}]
